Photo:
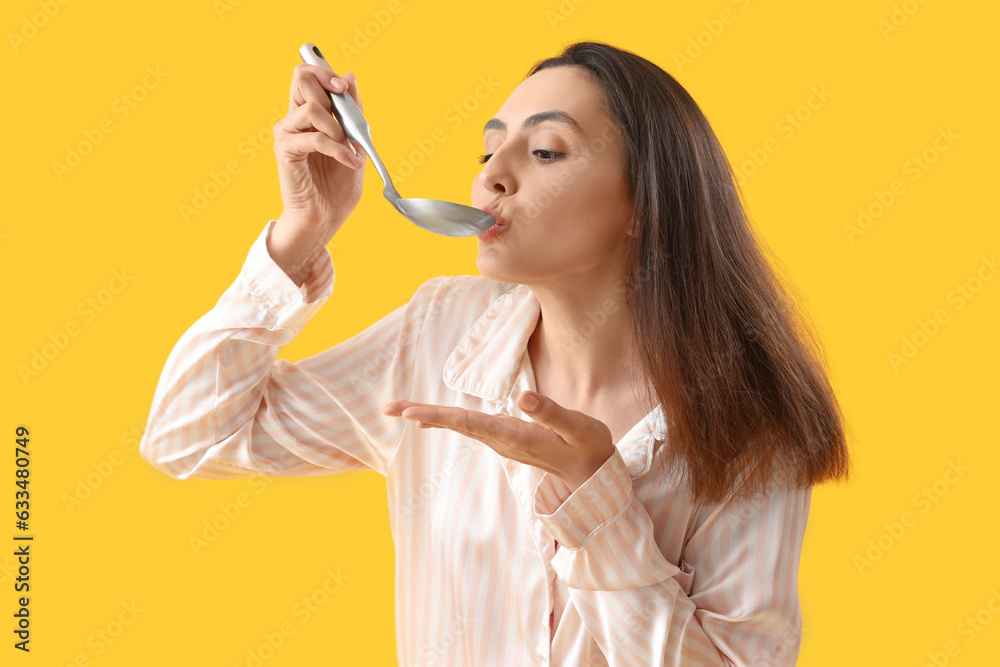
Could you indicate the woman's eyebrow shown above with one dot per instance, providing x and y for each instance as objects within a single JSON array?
[{"x": 535, "y": 119}]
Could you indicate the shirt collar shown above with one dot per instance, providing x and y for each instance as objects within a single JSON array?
[{"x": 488, "y": 359}]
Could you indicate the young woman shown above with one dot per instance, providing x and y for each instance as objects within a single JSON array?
[{"x": 598, "y": 452}]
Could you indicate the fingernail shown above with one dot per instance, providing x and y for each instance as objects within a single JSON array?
[
  {"x": 338, "y": 84},
  {"x": 530, "y": 402}
]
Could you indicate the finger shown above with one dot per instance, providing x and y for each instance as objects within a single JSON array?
[
  {"x": 313, "y": 82},
  {"x": 442, "y": 415},
  {"x": 395, "y": 408},
  {"x": 310, "y": 117},
  {"x": 436, "y": 414},
  {"x": 567, "y": 423},
  {"x": 301, "y": 144},
  {"x": 497, "y": 431}
]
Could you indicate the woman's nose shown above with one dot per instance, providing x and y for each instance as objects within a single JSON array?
[{"x": 495, "y": 175}]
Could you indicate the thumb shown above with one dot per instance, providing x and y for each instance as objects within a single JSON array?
[{"x": 546, "y": 411}]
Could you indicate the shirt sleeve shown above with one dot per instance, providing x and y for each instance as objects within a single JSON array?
[
  {"x": 740, "y": 566},
  {"x": 225, "y": 408}
]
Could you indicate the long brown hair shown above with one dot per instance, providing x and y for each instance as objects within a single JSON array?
[{"x": 729, "y": 357}]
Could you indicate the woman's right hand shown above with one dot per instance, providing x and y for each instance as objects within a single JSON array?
[{"x": 320, "y": 175}]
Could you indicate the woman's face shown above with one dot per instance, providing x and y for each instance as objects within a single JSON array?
[{"x": 556, "y": 175}]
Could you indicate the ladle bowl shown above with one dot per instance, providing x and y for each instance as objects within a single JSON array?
[{"x": 440, "y": 217}]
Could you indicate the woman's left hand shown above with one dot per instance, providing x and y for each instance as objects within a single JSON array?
[{"x": 566, "y": 443}]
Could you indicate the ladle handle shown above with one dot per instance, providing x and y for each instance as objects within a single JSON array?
[{"x": 348, "y": 115}]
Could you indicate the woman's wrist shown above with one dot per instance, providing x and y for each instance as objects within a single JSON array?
[{"x": 293, "y": 253}]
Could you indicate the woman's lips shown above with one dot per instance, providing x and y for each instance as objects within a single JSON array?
[
  {"x": 495, "y": 229},
  {"x": 500, "y": 221}
]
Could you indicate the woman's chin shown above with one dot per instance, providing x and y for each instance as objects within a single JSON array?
[{"x": 494, "y": 271}]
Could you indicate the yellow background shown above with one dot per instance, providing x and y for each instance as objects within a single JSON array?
[{"x": 225, "y": 71}]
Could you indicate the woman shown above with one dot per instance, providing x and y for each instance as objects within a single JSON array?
[{"x": 650, "y": 509}]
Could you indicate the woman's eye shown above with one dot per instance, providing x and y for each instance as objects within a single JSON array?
[{"x": 547, "y": 156}]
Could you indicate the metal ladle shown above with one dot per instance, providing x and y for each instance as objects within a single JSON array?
[{"x": 440, "y": 217}]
